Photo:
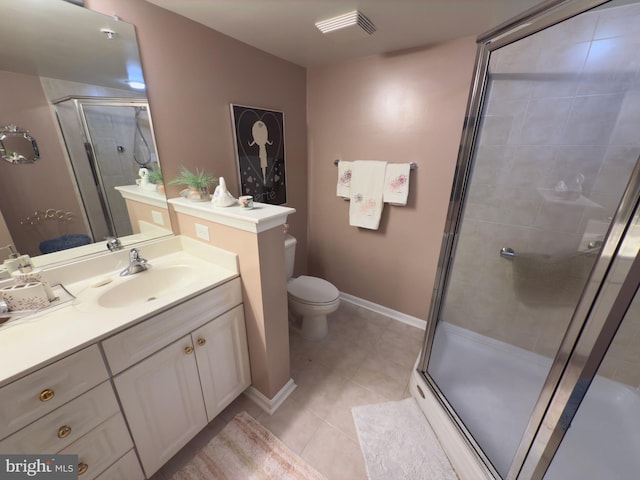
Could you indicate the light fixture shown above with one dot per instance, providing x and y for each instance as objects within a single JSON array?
[
  {"x": 136, "y": 85},
  {"x": 349, "y": 26}
]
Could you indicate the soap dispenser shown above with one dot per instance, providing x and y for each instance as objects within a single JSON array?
[{"x": 221, "y": 196}]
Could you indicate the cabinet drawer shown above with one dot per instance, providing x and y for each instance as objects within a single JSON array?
[
  {"x": 140, "y": 341},
  {"x": 127, "y": 468},
  {"x": 41, "y": 392},
  {"x": 101, "y": 447},
  {"x": 65, "y": 425}
]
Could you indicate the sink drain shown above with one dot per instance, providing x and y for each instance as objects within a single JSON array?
[{"x": 151, "y": 298}]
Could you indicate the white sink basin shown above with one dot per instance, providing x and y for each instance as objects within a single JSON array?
[
  {"x": 146, "y": 286},
  {"x": 163, "y": 282}
]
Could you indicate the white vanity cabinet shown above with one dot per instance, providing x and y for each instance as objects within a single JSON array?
[
  {"x": 195, "y": 363},
  {"x": 67, "y": 407}
]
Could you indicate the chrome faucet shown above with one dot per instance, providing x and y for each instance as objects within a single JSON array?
[
  {"x": 113, "y": 244},
  {"x": 137, "y": 264}
]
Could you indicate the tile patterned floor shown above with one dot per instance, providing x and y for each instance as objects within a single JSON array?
[{"x": 366, "y": 358}]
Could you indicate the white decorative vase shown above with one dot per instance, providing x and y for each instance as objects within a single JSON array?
[{"x": 221, "y": 196}]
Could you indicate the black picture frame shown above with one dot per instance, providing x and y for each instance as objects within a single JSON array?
[{"x": 260, "y": 153}]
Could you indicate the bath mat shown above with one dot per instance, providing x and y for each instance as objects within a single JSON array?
[
  {"x": 398, "y": 443},
  {"x": 245, "y": 450}
]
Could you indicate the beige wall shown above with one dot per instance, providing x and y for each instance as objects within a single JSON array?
[
  {"x": 193, "y": 73},
  {"x": 407, "y": 106},
  {"x": 40, "y": 186},
  {"x": 403, "y": 107},
  {"x": 141, "y": 213}
]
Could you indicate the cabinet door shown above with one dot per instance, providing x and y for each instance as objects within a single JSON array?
[
  {"x": 223, "y": 360},
  {"x": 162, "y": 402}
]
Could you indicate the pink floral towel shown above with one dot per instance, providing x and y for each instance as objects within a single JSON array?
[
  {"x": 343, "y": 188},
  {"x": 367, "y": 184},
  {"x": 396, "y": 183}
]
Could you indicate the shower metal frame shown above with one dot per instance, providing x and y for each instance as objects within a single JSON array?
[
  {"x": 79, "y": 102},
  {"x": 595, "y": 319}
]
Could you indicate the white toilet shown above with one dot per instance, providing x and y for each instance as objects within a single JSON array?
[{"x": 311, "y": 299}]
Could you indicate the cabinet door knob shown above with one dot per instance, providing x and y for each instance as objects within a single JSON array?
[
  {"x": 46, "y": 395},
  {"x": 201, "y": 341},
  {"x": 188, "y": 350},
  {"x": 82, "y": 468},
  {"x": 64, "y": 431}
]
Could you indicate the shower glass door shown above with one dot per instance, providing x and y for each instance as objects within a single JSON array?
[
  {"x": 554, "y": 150},
  {"x": 119, "y": 149},
  {"x": 602, "y": 440}
]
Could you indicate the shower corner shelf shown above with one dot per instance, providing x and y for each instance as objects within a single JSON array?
[{"x": 551, "y": 196}]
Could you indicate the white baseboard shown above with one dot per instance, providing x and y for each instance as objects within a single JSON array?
[
  {"x": 271, "y": 405},
  {"x": 394, "y": 314}
]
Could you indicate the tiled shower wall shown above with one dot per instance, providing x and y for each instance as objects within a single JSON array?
[{"x": 563, "y": 105}]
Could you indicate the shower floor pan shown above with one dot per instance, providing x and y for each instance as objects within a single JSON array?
[{"x": 493, "y": 387}]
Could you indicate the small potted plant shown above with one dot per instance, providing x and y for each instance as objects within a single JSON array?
[
  {"x": 197, "y": 184},
  {"x": 155, "y": 177}
]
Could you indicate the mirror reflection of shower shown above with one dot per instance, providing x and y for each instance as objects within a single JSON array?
[
  {"x": 144, "y": 154},
  {"x": 108, "y": 141}
]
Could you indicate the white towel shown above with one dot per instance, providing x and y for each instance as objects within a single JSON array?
[
  {"x": 396, "y": 183},
  {"x": 367, "y": 186},
  {"x": 344, "y": 179}
]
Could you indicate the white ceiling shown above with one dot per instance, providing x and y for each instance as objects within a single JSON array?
[{"x": 286, "y": 28}]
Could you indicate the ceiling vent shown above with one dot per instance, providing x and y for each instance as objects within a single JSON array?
[{"x": 350, "y": 26}]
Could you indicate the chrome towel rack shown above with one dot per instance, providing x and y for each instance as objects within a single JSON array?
[{"x": 412, "y": 165}]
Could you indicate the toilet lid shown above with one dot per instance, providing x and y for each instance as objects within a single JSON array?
[{"x": 312, "y": 290}]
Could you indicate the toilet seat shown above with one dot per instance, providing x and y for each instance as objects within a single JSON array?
[{"x": 312, "y": 290}]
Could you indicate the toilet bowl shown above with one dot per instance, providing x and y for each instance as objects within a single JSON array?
[{"x": 310, "y": 299}]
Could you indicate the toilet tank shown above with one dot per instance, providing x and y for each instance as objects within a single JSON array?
[{"x": 289, "y": 254}]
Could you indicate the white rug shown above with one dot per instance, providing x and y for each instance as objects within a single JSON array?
[{"x": 398, "y": 443}]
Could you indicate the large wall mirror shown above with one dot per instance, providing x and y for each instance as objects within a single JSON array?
[{"x": 72, "y": 78}]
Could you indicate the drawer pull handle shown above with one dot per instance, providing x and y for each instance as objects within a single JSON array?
[
  {"x": 64, "y": 431},
  {"x": 46, "y": 395},
  {"x": 201, "y": 341},
  {"x": 82, "y": 468},
  {"x": 188, "y": 350}
]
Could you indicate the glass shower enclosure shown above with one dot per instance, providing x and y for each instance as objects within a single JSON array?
[
  {"x": 538, "y": 267},
  {"x": 108, "y": 141}
]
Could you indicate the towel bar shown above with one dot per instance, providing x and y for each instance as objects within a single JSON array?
[{"x": 412, "y": 165}]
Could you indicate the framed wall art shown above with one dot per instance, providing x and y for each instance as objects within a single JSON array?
[{"x": 259, "y": 142}]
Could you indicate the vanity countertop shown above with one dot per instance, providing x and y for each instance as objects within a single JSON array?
[{"x": 30, "y": 342}]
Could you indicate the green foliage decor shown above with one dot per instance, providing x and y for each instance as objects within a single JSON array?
[
  {"x": 155, "y": 176},
  {"x": 198, "y": 180}
]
